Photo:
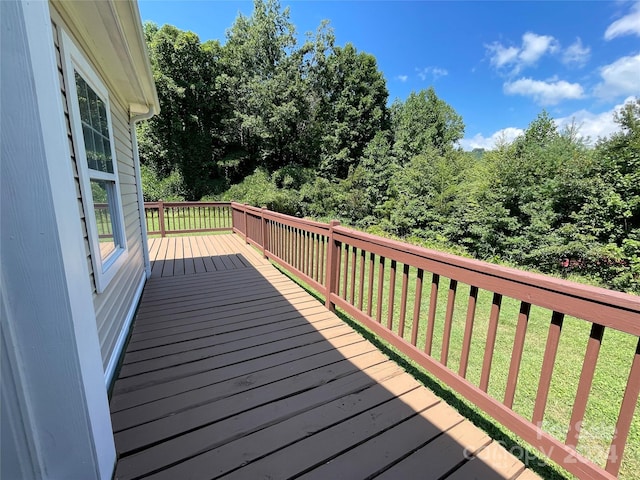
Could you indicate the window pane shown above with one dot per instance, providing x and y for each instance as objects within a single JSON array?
[
  {"x": 93, "y": 106},
  {"x": 97, "y": 141},
  {"x": 102, "y": 113},
  {"x": 82, "y": 97},
  {"x": 95, "y": 127},
  {"x": 103, "y": 204},
  {"x": 107, "y": 155},
  {"x": 92, "y": 160}
]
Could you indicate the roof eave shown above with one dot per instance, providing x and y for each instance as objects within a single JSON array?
[{"x": 112, "y": 35}]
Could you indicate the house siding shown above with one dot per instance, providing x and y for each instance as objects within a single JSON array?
[{"x": 113, "y": 305}]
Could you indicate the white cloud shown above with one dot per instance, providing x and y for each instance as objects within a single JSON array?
[
  {"x": 502, "y": 55},
  {"x": 506, "y": 135},
  {"x": 627, "y": 25},
  {"x": 593, "y": 125},
  {"x": 431, "y": 72},
  {"x": 403, "y": 78},
  {"x": 621, "y": 77},
  {"x": 590, "y": 125},
  {"x": 544, "y": 93},
  {"x": 576, "y": 54},
  {"x": 533, "y": 47}
]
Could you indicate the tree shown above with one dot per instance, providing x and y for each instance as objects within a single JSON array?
[
  {"x": 272, "y": 124},
  {"x": 425, "y": 191},
  {"x": 352, "y": 108},
  {"x": 422, "y": 122},
  {"x": 188, "y": 134}
]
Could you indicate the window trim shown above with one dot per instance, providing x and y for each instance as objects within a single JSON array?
[{"x": 74, "y": 61}]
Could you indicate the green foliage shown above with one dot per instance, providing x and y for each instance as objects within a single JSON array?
[
  {"x": 304, "y": 129},
  {"x": 426, "y": 189},
  {"x": 270, "y": 103},
  {"x": 424, "y": 121},
  {"x": 352, "y": 108},
  {"x": 167, "y": 189},
  {"x": 187, "y": 136},
  {"x": 260, "y": 190}
]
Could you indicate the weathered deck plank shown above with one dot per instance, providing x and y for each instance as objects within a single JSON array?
[{"x": 233, "y": 370}]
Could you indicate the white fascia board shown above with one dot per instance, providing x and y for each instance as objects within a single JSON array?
[{"x": 116, "y": 46}]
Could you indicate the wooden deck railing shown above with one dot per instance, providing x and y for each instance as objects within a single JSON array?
[
  {"x": 380, "y": 283},
  {"x": 187, "y": 217}
]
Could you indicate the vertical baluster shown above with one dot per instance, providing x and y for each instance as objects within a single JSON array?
[
  {"x": 431, "y": 320},
  {"x": 292, "y": 242},
  {"x": 625, "y": 417},
  {"x": 312, "y": 249},
  {"x": 345, "y": 272},
  {"x": 380, "y": 289},
  {"x": 353, "y": 276},
  {"x": 370, "y": 286},
  {"x": 310, "y": 254},
  {"x": 287, "y": 244},
  {"x": 333, "y": 267},
  {"x": 417, "y": 303},
  {"x": 361, "y": 284},
  {"x": 468, "y": 331},
  {"x": 294, "y": 253},
  {"x": 303, "y": 249},
  {"x": 403, "y": 299},
  {"x": 491, "y": 341},
  {"x": 553, "y": 339},
  {"x": 322, "y": 261},
  {"x": 298, "y": 249},
  {"x": 316, "y": 240},
  {"x": 299, "y": 239},
  {"x": 448, "y": 321},
  {"x": 516, "y": 354},
  {"x": 584, "y": 385},
  {"x": 392, "y": 294}
]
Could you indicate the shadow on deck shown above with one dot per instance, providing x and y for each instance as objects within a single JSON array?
[{"x": 234, "y": 371}]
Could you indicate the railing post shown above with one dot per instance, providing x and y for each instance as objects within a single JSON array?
[
  {"x": 265, "y": 247},
  {"x": 161, "y": 218},
  {"x": 331, "y": 273}
]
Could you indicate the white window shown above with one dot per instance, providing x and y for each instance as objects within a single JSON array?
[{"x": 92, "y": 131}]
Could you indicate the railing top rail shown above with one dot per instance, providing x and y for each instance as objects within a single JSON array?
[
  {"x": 281, "y": 216},
  {"x": 187, "y": 204},
  {"x": 598, "y": 295}
]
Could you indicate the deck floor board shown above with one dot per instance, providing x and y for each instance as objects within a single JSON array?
[{"x": 234, "y": 371}]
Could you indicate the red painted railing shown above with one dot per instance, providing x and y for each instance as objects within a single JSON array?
[
  {"x": 380, "y": 283},
  {"x": 166, "y": 218}
]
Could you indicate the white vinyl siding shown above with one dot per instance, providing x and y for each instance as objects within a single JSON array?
[{"x": 113, "y": 304}]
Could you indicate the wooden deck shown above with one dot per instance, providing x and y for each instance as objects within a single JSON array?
[{"x": 234, "y": 371}]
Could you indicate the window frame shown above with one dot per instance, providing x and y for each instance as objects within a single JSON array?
[{"x": 104, "y": 270}]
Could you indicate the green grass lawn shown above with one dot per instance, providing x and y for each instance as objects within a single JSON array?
[{"x": 611, "y": 375}]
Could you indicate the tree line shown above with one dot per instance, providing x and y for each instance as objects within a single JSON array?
[{"x": 306, "y": 129}]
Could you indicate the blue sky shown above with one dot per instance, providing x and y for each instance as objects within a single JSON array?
[{"x": 498, "y": 64}]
